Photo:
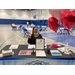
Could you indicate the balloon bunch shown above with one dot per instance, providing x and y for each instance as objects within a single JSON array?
[{"x": 65, "y": 16}]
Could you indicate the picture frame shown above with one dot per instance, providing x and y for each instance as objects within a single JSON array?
[{"x": 40, "y": 43}]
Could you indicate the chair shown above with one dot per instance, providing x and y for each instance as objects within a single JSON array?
[
  {"x": 25, "y": 32},
  {"x": 40, "y": 27},
  {"x": 45, "y": 29},
  {"x": 20, "y": 27},
  {"x": 13, "y": 27},
  {"x": 62, "y": 31},
  {"x": 71, "y": 30},
  {"x": 23, "y": 29},
  {"x": 40, "y": 30},
  {"x": 37, "y": 26}
]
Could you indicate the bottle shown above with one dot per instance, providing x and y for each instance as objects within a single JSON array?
[
  {"x": 66, "y": 48},
  {"x": 33, "y": 49},
  {"x": 48, "y": 50}
]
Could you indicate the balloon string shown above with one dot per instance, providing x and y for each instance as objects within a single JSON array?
[
  {"x": 68, "y": 32},
  {"x": 57, "y": 33}
]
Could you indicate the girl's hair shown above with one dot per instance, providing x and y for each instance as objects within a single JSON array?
[{"x": 33, "y": 30}]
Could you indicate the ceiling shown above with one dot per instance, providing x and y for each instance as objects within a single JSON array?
[{"x": 24, "y": 9}]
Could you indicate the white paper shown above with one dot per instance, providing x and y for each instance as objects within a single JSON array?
[
  {"x": 62, "y": 49},
  {"x": 31, "y": 46},
  {"x": 13, "y": 47},
  {"x": 40, "y": 53},
  {"x": 40, "y": 44},
  {"x": 67, "y": 53}
]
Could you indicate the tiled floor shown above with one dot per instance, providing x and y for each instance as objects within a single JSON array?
[{"x": 7, "y": 36}]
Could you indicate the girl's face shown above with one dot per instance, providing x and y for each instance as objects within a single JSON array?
[{"x": 35, "y": 30}]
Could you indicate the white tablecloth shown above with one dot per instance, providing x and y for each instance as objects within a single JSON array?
[
  {"x": 61, "y": 28},
  {"x": 43, "y": 27},
  {"x": 29, "y": 28}
]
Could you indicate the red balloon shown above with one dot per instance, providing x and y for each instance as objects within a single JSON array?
[
  {"x": 53, "y": 23},
  {"x": 56, "y": 13},
  {"x": 65, "y": 16},
  {"x": 68, "y": 18}
]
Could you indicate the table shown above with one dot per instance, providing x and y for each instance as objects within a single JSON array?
[
  {"x": 62, "y": 29},
  {"x": 17, "y": 25},
  {"x": 29, "y": 28},
  {"x": 43, "y": 27},
  {"x": 32, "y": 26},
  {"x": 32, "y": 59}
]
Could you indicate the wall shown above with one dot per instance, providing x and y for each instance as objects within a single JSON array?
[
  {"x": 41, "y": 14},
  {"x": 14, "y": 14},
  {"x": 16, "y": 21},
  {"x": 8, "y": 16},
  {"x": 28, "y": 15}
]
